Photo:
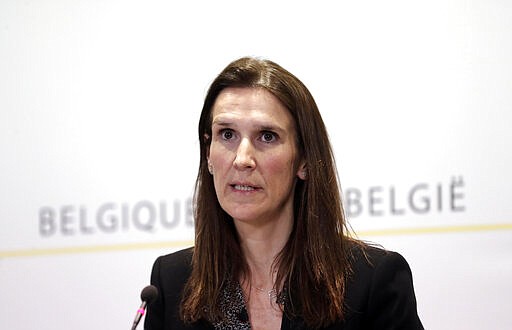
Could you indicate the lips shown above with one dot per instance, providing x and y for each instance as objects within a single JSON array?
[{"x": 243, "y": 187}]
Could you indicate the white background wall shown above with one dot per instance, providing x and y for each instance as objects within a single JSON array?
[{"x": 99, "y": 102}]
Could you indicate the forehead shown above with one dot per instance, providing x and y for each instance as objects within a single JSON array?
[{"x": 250, "y": 103}]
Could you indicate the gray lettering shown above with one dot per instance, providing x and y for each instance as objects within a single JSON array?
[
  {"x": 107, "y": 222},
  {"x": 138, "y": 220},
  {"x": 456, "y": 184},
  {"x": 176, "y": 214},
  {"x": 353, "y": 201},
  {"x": 66, "y": 218},
  {"x": 424, "y": 205},
  {"x": 83, "y": 221},
  {"x": 47, "y": 221},
  {"x": 372, "y": 200},
  {"x": 392, "y": 203}
]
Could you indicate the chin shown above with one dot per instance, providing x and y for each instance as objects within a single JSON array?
[
  {"x": 241, "y": 217},
  {"x": 241, "y": 211}
]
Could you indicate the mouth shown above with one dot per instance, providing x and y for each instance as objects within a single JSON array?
[{"x": 244, "y": 187}]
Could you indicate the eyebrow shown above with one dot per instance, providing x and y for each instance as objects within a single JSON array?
[
  {"x": 221, "y": 122},
  {"x": 264, "y": 127}
]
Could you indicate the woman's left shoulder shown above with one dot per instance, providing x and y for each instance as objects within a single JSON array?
[
  {"x": 380, "y": 290},
  {"x": 371, "y": 258}
]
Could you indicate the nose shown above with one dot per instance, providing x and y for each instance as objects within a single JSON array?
[{"x": 244, "y": 158}]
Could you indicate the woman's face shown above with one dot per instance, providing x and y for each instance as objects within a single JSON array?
[{"x": 253, "y": 155}]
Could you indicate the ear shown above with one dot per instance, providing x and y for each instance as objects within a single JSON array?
[
  {"x": 302, "y": 172},
  {"x": 208, "y": 163}
]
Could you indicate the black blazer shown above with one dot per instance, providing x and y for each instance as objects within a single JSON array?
[{"x": 379, "y": 296}]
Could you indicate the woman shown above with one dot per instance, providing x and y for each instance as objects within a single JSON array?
[{"x": 271, "y": 248}]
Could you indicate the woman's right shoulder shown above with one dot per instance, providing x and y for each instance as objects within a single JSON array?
[
  {"x": 177, "y": 259},
  {"x": 169, "y": 274},
  {"x": 175, "y": 265}
]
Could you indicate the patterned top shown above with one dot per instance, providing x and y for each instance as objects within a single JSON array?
[{"x": 233, "y": 307}]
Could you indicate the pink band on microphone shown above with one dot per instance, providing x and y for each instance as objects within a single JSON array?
[{"x": 141, "y": 311}]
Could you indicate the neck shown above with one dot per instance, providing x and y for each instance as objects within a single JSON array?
[{"x": 261, "y": 246}]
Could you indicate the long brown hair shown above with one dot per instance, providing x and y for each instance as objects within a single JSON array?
[{"x": 314, "y": 264}]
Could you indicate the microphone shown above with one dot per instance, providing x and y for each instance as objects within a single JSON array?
[{"x": 148, "y": 295}]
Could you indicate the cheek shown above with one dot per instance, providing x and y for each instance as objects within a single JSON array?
[
  {"x": 280, "y": 167},
  {"x": 218, "y": 156}
]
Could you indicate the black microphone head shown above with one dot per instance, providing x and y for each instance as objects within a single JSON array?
[{"x": 149, "y": 294}]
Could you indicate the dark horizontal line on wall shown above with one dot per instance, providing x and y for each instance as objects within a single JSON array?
[{"x": 181, "y": 244}]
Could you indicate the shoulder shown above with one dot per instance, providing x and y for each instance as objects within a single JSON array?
[
  {"x": 368, "y": 261},
  {"x": 169, "y": 275},
  {"x": 172, "y": 270},
  {"x": 380, "y": 289},
  {"x": 176, "y": 260}
]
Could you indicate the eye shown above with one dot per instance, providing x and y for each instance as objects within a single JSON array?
[
  {"x": 226, "y": 134},
  {"x": 268, "y": 137}
]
